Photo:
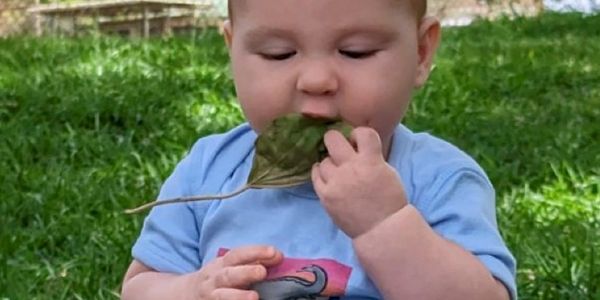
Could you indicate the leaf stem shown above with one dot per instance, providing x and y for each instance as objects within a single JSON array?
[{"x": 187, "y": 199}]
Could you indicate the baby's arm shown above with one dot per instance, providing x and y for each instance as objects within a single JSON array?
[
  {"x": 227, "y": 277},
  {"x": 400, "y": 251},
  {"x": 141, "y": 282},
  {"x": 420, "y": 264}
]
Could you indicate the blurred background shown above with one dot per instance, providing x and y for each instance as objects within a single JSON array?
[
  {"x": 146, "y": 18},
  {"x": 143, "y": 18},
  {"x": 99, "y": 100}
]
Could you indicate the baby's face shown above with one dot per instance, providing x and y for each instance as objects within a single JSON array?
[{"x": 354, "y": 59}]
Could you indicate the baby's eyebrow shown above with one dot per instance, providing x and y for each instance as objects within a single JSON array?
[
  {"x": 381, "y": 33},
  {"x": 260, "y": 33}
]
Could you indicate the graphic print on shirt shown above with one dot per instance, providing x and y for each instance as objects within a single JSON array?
[{"x": 303, "y": 279}]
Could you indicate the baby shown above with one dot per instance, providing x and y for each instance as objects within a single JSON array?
[{"x": 389, "y": 214}]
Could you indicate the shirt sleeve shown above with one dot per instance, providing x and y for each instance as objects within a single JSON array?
[
  {"x": 169, "y": 238},
  {"x": 461, "y": 208}
]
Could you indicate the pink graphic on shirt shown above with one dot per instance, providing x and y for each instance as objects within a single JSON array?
[{"x": 303, "y": 279}]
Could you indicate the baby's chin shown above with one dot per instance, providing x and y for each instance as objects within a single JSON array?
[{"x": 258, "y": 128}]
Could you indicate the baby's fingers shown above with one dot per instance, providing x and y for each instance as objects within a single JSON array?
[
  {"x": 265, "y": 255},
  {"x": 367, "y": 141},
  {"x": 234, "y": 294},
  {"x": 240, "y": 277}
]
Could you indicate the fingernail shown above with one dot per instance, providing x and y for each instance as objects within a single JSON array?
[
  {"x": 270, "y": 252},
  {"x": 261, "y": 272}
]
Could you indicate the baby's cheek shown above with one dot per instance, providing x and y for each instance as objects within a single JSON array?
[
  {"x": 253, "y": 117},
  {"x": 258, "y": 116},
  {"x": 355, "y": 113}
]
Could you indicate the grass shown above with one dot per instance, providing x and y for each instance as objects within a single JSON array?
[{"x": 92, "y": 126}]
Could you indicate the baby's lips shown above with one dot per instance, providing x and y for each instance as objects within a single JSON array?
[{"x": 318, "y": 116}]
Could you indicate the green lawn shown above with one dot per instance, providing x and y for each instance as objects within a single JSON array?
[{"x": 90, "y": 127}]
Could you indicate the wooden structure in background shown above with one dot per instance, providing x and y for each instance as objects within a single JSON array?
[
  {"x": 13, "y": 16},
  {"x": 129, "y": 18},
  {"x": 146, "y": 18},
  {"x": 463, "y": 12}
]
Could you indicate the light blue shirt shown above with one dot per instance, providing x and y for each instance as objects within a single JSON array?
[{"x": 448, "y": 187}]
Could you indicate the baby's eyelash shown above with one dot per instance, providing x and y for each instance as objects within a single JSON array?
[
  {"x": 347, "y": 53},
  {"x": 277, "y": 56},
  {"x": 358, "y": 54}
]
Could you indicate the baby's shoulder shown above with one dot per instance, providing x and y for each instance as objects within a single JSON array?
[
  {"x": 213, "y": 157},
  {"x": 426, "y": 151},
  {"x": 438, "y": 153},
  {"x": 425, "y": 161},
  {"x": 228, "y": 143}
]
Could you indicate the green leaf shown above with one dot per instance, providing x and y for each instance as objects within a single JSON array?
[
  {"x": 284, "y": 155},
  {"x": 286, "y": 150}
]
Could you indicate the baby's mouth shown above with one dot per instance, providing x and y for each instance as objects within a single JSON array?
[
  {"x": 314, "y": 116},
  {"x": 326, "y": 119}
]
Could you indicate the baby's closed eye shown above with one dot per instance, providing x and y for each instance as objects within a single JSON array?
[
  {"x": 358, "y": 54},
  {"x": 277, "y": 55}
]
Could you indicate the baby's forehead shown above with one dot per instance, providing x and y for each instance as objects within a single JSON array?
[{"x": 233, "y": 6}]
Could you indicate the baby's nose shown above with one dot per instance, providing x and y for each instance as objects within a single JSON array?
[{"x": 317, "y": 78}]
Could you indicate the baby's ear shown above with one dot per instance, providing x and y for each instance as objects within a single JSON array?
[
  {"x": 227, "y": 30},
  {"x": 428, "y": 39}
]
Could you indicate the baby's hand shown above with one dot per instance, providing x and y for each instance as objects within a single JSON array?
[
  {"x": 357, "y": 187},
  {"x": 230, "y": 276}
]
